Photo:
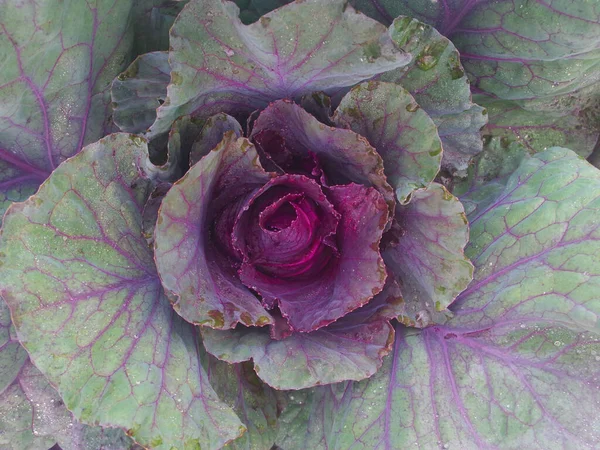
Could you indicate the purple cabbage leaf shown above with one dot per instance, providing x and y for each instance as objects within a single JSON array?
[
  {"x": 273, "y": 260},
  {"x": 32, "y": 414},
  {"x": 89, "y": 308},
  {"x": 512, "y": 49},
  {"x": 220, "y": 65},
  {"x": 194, "y": 266},
  {"x": 54, "y": 84},
  {"x": 312, "y": 240},
  {"x": 542, "y": 56},
  {"x": 517, "y": 365}
]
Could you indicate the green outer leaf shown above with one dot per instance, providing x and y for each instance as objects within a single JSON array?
[
  {"x": 517, "y": 49},
  {"x": 88, "y": 305},
  {"x": 153, "y": 21},
  {"x": 12, "y": 355},
  {"x": 489, "y": 174},
  {"x": 52, "y": 419},
  {"x": 539, "y": 130},
  {"x": 239, "y": 387},
  {"x": 440, "y": 86},
  {"x": 17, "y": 187},
  {"x": 445, "y": 389},
  {"x": 542, "y": 54},
  {"x": 515, "y": 367},
  {"x": 54, "y": 83},
  {"x": 137, "y": 92},
  {"x": 203, "y": 292},
  {"x": 539, "y": 240},
  {"x": 212, "y": 133},
  {"x": 242, "y": 68},
  {"x": 429, "y": 260},
  {"x": 19, "y": 418},
  {"x": 525, "y": 49},
  {"x": 16, "y": 411},
  {"x": 342, "y": 351},
  {"x": 405, "y": 137},
  {"x": 32, "y": 415}
]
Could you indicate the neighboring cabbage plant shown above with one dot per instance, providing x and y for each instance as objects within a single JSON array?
[{"x": 266, "y": 255}]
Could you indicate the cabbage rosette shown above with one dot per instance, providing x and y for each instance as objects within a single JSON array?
[
  {"x": 267, "y": 212},
  {"x": 291, "y": 241}
]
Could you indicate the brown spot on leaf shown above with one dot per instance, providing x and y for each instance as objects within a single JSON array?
[
  {"x": 407, "y": 321},
  {"x": 446, "y": 195},
  {"x": 217, "y": 318},
  {"x": 262, "y": 321},
  {"x": 246, "y": 318}
]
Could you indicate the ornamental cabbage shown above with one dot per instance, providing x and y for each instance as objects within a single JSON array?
[{"x": 244, "y": 229}]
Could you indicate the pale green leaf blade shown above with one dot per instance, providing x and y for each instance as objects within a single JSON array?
[
  {"x": 445, "y": 388},
  {"x": 55, "y": 83},
  {"x": 536, "y": 130},
  {"x": 517, "y": 365},
  {"x": 139, "y": 91},
  {"x": 344, "y": 350},
  {"x": 428, "y": 259},
  {"x": 220, "y": 65},
  {"x": 88, "y": 306},
  {"x": 402, "y": 133},
  {"x": 436, "y": 79},
  {"x": 239, "y": 387}
]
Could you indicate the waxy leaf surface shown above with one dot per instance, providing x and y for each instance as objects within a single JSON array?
[
  {"x": 87, "y": 303},
  {"x": 517, "y": 366},
  {"x": 204, "y": 286},
  {"x": 32, "y": 414},
  {"x": 402, "y": 133},
  {"x": 434, "y": 76},
  {"x": 139, "y": 91},
  {"x": 220, "y": 65},
  {"x": 238, "y": 386},
  {"x": 440, "y": 86},
  {"x": 344, "y": 350},
  {"x": 16, "y": 410},
  {"x": 538, "y": 240},
  {"x": 512, "y": 49},
  {"x": 536, "y": 131},
  {"x": 54, "y": 83},
  {"x": 448, "y": 388},
  {"x": 428, "y": 259}
]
